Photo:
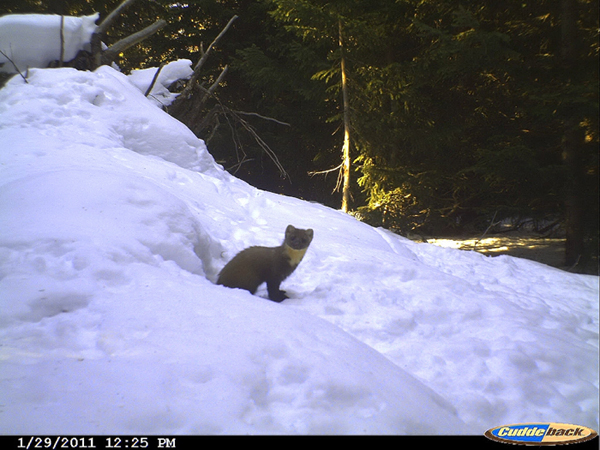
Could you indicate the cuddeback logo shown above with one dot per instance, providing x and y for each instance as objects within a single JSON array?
[{"x": 541, "y": 434}]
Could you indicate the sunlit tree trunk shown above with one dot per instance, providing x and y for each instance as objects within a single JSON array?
[{"x": 346, "y": 147}]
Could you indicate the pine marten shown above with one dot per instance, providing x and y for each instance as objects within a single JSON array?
[{"x": 256, "y": 265}]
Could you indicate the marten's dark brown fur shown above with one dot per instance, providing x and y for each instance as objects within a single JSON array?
[{"x": 256, "y": 265}]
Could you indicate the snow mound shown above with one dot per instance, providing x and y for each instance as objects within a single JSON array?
[
  {"x": 34, "y": 40},
  {"x": 100, "y": 110},
  {"x": 169, "y": 74}
]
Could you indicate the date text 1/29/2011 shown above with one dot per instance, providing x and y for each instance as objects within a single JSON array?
[{"x": 93, "y": 442}]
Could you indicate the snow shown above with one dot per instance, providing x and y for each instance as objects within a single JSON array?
[
  {"x": 115, "y": 223},
  {"x": 169, "y": 74},
  {"x": 34, "y": 40}
]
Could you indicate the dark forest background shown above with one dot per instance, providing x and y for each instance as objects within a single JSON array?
[{"x": 461, "y": 113}]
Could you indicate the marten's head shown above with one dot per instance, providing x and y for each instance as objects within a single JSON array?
[{"x": 298, "y": 239}]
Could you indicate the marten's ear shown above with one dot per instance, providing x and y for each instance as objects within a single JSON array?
[
  {"x": 310, "y": 233},
  {"x": 289, "y": 229}
]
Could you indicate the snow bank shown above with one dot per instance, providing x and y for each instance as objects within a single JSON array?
[
  {"x": 34, "y": 40},
  {"x": 115, "y": 224}
]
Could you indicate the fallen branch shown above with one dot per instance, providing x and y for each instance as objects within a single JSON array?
[
  {"x": 229, "y": 114},
  {"x": 188, "y": 109}
]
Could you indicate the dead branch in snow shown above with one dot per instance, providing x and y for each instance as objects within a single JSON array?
[
  {"x": 10, "y": 60},
  {"x": 154, "y": 78}
]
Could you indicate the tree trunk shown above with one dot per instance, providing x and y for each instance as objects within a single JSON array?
[
  {"x": 572, "y": 144},
  {"x": 346, "y": 147}
]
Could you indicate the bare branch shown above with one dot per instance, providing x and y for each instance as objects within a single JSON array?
[
  {"x": 213, "y": 43},
  {"x": 154, "y": 80},
  {"x": 227, "y": 113},
  {"x": 250, "y": 129},
  {"x": 14, "y": 65},
  {"x": 340, "y": 171},
  {"x": 113, "y": 16},
  {"x": 214, "y": 86},
  {"x": 188, "y": 88},
  {"x": 111, "y": 52},
  {"x": 492, "y": 224},
  {"x": 211, "y": 90},
  {"x": 570, "y": 269},
  {"x": 320, "y": 172},
  {"x": 263, "y": 117},
  {"x": 237, "y": 166}
]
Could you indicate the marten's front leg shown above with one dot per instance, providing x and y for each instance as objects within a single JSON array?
[{"x": 275, "y": 293}]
